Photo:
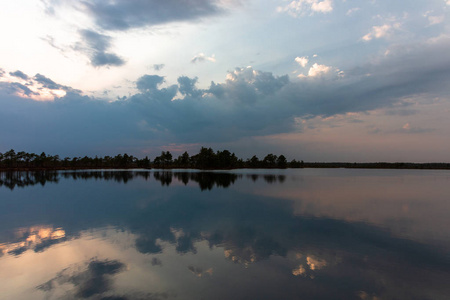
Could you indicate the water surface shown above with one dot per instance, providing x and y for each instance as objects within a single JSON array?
[{"x": 244, "y": 234}]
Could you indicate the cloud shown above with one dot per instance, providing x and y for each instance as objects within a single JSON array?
[
  {"x": 48, "y": 83},
  {"x": 125, "y": 14},
  {"x": 300, "y": 8},
  {"x": 201, "y": 57},
  {"x": 187, "y": 86},
  {"x": 315, "y": 263},
  {"x": 158, "y": 67},
  {"x": 52, "y": 86},
  {"x": 22, "y": 89},
  {"x": 322, "y": 71},
  {"x": 318, "y": 70},
  {"x": 247, "y": 103},
  {"x": 299, "y": 271},
  {"x": 382, "y": 31},
  {"x": 377, "y": 32},
  {"x": 322, "y": 6},
  {"x": 51, "y": 41},
  {"x": 302, "y": 61},
  {"x": 19, "y": 74},
  {"x": 100, "y": 59},
  {"x": 156, "y": 262},
  {"x": 246, "y": 85},
  {"x": 407, "y": 128},
  {"x": 199, "y": 272},
  {"x": 149, "y": 82},
  {"x": 37, "y": 87},
  {"x": 353, "y": 10},
  {"x": 96, "y": 46},
  {"x": 436, "y": 19}
]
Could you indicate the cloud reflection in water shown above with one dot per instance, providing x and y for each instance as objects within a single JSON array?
[{"x": 238, "y": 244}]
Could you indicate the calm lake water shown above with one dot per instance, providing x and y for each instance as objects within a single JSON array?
[{"x": 245, "y": 234}]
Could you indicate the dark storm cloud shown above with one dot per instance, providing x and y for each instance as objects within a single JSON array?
[
  {"x": 19, "y": 74},
  {"x": 248, "y": 103},
  {"x": 96, "y": 46},
  {"x": 125, "y": 14}
]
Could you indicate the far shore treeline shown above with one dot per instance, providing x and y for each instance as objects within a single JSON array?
[{"x": 206, "y": 159}]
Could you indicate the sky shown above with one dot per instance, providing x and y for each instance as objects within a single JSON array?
[{"x": 315, "y": 80}]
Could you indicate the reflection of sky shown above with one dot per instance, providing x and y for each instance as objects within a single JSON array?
[
  {"x": 145, "y": 240},
  {"x": 37, "y": 238},
  {"x": 413, "y": 204}
]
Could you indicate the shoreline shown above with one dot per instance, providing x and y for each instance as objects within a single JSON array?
[{"x": 305, "y": 165}]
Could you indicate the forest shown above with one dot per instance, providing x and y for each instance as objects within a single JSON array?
[{"x": 206, "y": 159}]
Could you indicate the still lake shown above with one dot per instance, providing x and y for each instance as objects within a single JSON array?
[{"x": 241, "y": 234}]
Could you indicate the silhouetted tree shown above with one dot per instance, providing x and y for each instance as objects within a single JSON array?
[
  {"x": 254, "y": 162},
  {"x": 281, "y": 162},
  {"x": 205, "y": 159},
  {"x": 269, "y": 161}
]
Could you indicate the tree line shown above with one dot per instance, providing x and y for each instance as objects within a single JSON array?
[{"x": 207, "y": 158}]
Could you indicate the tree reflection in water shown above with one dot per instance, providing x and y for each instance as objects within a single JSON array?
[{"x": 205, "y": 180}]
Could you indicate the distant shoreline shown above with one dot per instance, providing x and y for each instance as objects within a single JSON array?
[
  {"x": 305, "y": 165},
  {"x": 206, "y": 159}
]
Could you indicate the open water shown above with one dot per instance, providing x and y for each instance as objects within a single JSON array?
[{"x": 243, "y": 234}]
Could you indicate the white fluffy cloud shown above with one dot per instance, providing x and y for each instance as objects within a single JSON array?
[
  {"x": 318, "y": 70},
  {"x": 301, "y": 7},
  {"x": 381, "y": 31},
  {"x": 322, "y": 6},
  {"x": 302, "y": 61},
  {"x": 322, "y": 71}
]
